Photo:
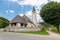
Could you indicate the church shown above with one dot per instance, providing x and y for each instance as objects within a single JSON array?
[{"x": 23, "y": 23}]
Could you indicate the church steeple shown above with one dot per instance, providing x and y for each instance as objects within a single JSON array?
[
  {"x": 33, "y": 10},
  {"x": 34, "y": 18}
]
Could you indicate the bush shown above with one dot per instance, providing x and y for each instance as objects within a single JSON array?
[{"x": 3, "y": 22}]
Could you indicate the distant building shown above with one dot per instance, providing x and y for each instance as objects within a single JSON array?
[{"x": 24, "y": 22}]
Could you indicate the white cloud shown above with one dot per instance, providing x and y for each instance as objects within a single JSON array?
[
  {"x": 6, "y": 11},
  {"x": 10, "y": 11},
  {"x": 11, "y": 0},
  {"x": 56, "y": 0},
  {"x": 35, "y": 3},
  {"x": 29, "y": 15},
  {"x": 21, "y": 14},
  {"x": 29, "y": 2}
]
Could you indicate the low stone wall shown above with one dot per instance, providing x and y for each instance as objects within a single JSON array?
[{"x": 24, "y": 29}]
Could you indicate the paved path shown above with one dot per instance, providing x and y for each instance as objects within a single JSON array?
[
  {"x": 21, "y": 36},
  {"x": 52, "y": 33}
]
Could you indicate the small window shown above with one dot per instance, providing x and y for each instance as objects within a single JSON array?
[
  {"x": 25, "y": 25},
  {"x": 21, "y": 24},
  {"x": 13, "y": 24}
]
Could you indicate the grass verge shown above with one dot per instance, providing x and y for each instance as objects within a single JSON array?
[
  {"x": 43, "y": 32},
  {"x": 55, "y": 31}
]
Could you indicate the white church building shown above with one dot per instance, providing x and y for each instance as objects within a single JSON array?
[{"x": 24, "y": 23}]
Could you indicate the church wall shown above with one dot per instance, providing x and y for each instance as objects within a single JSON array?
[
  {"x": 18, "y": 24},
  {"x": 30, "y": 24},
  {"x": 33, "y": 25}
]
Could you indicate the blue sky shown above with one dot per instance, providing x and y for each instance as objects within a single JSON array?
[
  {"x": 14, "y": 8},
  {"x": 10, "y": 8}
]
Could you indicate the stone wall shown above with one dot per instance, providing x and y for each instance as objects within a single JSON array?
[
  {"x": 24, "y": 29},
  {"x": 30, "y": 24}
]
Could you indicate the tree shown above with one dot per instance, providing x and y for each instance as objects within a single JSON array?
[
  {"x": 3, "y": 22},
  {"x": 50, "y": 13}
]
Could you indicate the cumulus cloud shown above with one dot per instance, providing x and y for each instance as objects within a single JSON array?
[
  {"x": 33, "y": 2},
  {"x": 21, "y": 14},
  {"x": 10, "y": 11},
  {"x": 29, "y": 2},
  {"x": 36, "y": 3},
  {"x": 29, "y": 15},
  {"x": 11, "y": 0}
]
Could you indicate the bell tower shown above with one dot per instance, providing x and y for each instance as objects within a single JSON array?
[{"x": 34, "y": 18}]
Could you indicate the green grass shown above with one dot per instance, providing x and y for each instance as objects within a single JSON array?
[
  {"x": 2, "y": 29},
  {"x": 43, "y": 32},
  {"x": 55, "y": 30},
  {"x": 52, "y": 27}
]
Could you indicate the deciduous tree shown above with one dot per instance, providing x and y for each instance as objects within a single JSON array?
[{"x": 50, "y": 13}]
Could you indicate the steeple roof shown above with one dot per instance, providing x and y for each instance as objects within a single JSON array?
[
  {"x": 33, "y": 10},
  {"x": 27, "y": 19},
  {"x": 18, "y": 19}
]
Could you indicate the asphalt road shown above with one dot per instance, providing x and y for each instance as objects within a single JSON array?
[{"x": 21, "y": 36}]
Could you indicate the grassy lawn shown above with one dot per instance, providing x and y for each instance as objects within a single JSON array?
[
  {"x": 43, "y": 32},
  {"x": 55, "y": 30},
  {"x": 50, "y": 26},
  {"x": 2, "y": 29}
]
